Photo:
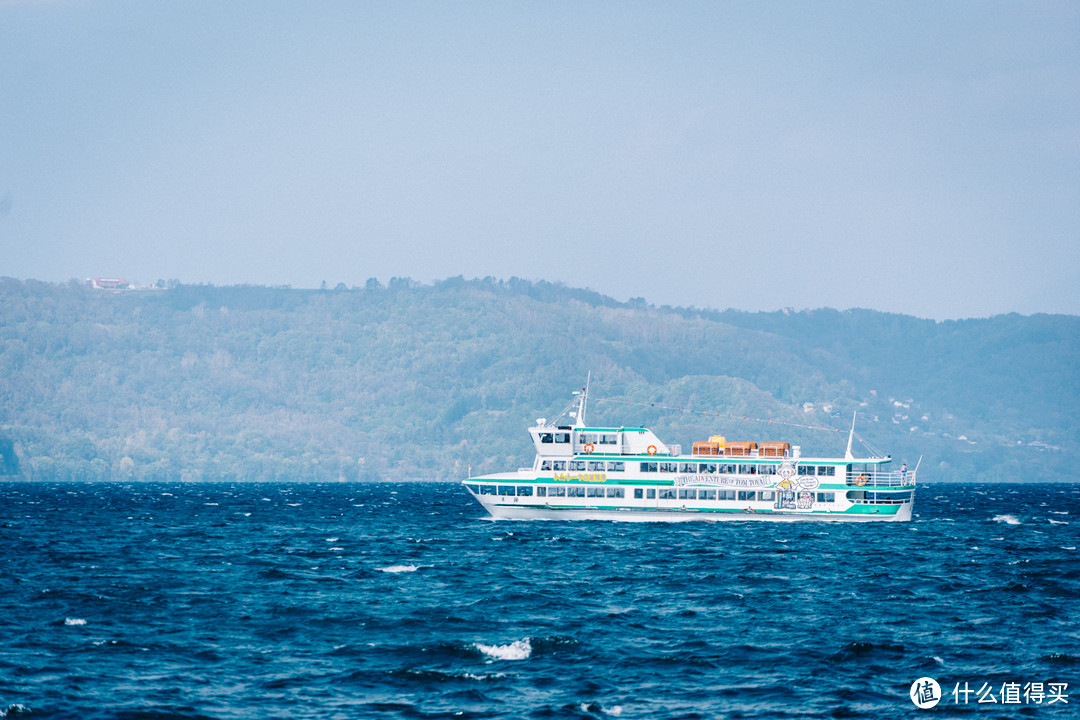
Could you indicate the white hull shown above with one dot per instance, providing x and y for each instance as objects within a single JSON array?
[{"x": 499, "y": 511}]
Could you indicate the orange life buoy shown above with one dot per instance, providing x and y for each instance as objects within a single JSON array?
[
  {"x": 861, "y": 480},
  {"x": 589, "y": 447},
  {"x": 652, "y": 449}
]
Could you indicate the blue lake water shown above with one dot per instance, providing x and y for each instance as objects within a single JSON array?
[{"x": 141, "y": 601}]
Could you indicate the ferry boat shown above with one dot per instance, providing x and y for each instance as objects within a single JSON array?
[{"x": 584, "y": 472}]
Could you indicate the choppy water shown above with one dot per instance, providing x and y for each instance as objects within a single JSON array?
[{"x": 401, "y": 601}]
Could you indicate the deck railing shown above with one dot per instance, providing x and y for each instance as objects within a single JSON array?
[{"x": 893, "y": 478}]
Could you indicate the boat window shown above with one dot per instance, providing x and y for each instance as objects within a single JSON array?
[
  {"x": 616, "y": 466},
  {"x": 648, "y": 467},
  {"x": 587, "y": 438},
  {"x": 856, "y": 494},
  {"x": 766, "y": 469},
  {"x": 806, "y": 469},
  {"x": 667, "y": 494},
  {"x": 615, "y": 492},
  {"x": 545, "y": 438},
  {"x": 577, "y": 465},
  {"x": 506, "y": 489},
  {"x": 609, "y": 439},
  {"x": 748, "y": 469},
  {"x": 747, "y": 495},
  {"x": 556, "y": 492},
  {"x": 829, "y": 470},
  {"x": 726, "y": 469},
  {"x": 638, "y": 493},
  {"x": 487, "y": 489},
  {"x": 826, "y": 497},
  {"x": 558, "y": 465},
  {"x": 595, "y": 465},
  {"x": 685, "y": 494},
  {"x": 669, "y": 467},
  {"x": 767, "y": 495},
  {"x": 725, "y": 494},
  {"x": 594, "y": 492},
  {"x": 474, "y": 489},
  {"x": 546, "y": 465},
  {"x": 688, "y": 467},
  {"x": 706, "y": 494},
  {"x": 708, "y": 468},
  {"x": 650, "y": 494},
  {"x": 524, "y": 490},
  {"x": 575, "y": 491},
  {"x": 541, "y": 491},
  {"x": 562, "y": 437}
]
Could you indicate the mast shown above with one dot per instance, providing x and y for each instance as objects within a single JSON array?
[
  {"x": 851, "y": 435},
  {"x": 583, "y": 398}
]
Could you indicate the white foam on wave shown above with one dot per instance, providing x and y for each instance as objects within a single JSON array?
[
  {"x": 1007, "y": 519},
  {"x": 74, "y": 621},
  {"x": 401, "y": 568},
  {"x": 517, "y": 650},
  {"x": 1057, "y": 522}
]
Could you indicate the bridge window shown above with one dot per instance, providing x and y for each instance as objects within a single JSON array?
[
  {"x": 506, "y": 489},
  {"x": 546, "y": 465},
  {"x": 487, "y": 489},
  {"x": 562, "y": 437},
  {"x": 558, "y": 465},
  {"x": 545, "y": 438},
  {"x": 524, "y": 490}
]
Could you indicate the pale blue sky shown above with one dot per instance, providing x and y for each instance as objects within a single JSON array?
[{"x": 912, "y": 157}]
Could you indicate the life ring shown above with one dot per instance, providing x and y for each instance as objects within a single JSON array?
[
  {"x": 861, "y": 481},
  {"x": 652, "y": 450},
  {"x": 589, "y": 447}
]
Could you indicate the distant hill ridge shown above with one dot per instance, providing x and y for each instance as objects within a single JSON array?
[{"x": 414, "y": 381}]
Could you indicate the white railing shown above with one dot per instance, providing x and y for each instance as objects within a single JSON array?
[{"x": 878, "y": 479}]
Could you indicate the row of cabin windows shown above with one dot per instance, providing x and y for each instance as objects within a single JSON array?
[
  {"x": 593, "y": 491},
  {"x": 583, "y": 438},
  {"x": 731, "y": 468},
  {"x": 583, "y": 465},
  {"x": 639, "y": 493}
]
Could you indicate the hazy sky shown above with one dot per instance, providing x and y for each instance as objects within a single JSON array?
[{"x": 913, "y": 157}]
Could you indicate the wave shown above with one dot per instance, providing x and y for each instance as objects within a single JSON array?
[
  {"x": 74, "y": 621},
  {"x": 517, "y": 650},
  {"x": 1007, "y": 519},
  {"x": 402, "y": 568}
]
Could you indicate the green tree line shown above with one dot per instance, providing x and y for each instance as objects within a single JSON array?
[{"x": 412, "y": 381}]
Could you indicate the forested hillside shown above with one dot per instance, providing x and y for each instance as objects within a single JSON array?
[{"x": 412, "y": 381}]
